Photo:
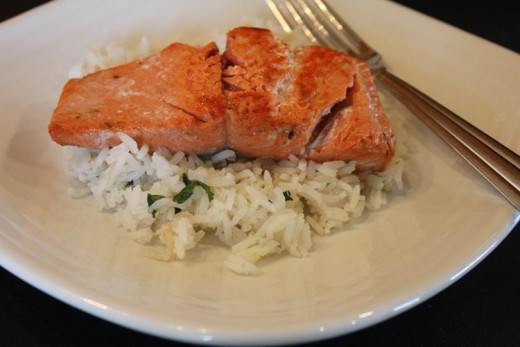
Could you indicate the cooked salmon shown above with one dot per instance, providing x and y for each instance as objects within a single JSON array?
[
  {"x": 356, "y": 129},
  {"x": 312, "y": 102},
  {"x": 277, "y": 96},
  {"x": 261, "y": 98},
  {"x": 172, "y": 99}
]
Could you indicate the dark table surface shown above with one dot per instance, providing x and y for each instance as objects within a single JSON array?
[{"x": 481, "y": 309}]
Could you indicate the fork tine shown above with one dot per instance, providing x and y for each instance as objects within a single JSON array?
[
  {"x": 343, "y": 30},
  {"x": 288, "y": 18},
  {"x": 306, "y": 17},
  {"x": 313, "y": 19},
  {"x": 333, "y": 27},
  {"x": 285, "y": 21},
  {"x": 345, "y": 37},
  {"x": 328, "y": 29}
]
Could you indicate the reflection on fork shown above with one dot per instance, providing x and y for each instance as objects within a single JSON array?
[{"x": 322, "y": 25}]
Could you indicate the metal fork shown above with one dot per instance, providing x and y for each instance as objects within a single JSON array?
[{"x": 323, "y": 26}]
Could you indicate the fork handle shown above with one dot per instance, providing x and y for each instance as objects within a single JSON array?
[{"x": 498, "y": 164}]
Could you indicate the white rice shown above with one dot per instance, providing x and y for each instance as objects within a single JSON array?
[{"x": 250, "y": 211}]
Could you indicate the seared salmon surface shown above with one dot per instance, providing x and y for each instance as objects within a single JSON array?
[
  {"x": 277, "y": 96},
  {"x": 172, "y": 99},
  {"x": 260, "y": 98},
  {"x": 357, "y": 128}
]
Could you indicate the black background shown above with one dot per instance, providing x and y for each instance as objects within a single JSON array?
[{"x": 481, "y": 309}]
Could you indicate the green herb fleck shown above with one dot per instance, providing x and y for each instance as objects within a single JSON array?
[
  {"x": 151, "y": 198},
  {"x": 287, "y": 195},
  {"x": 187, "y": 191},
  {"x": 206, "y": 188},
  {"x": 184, "y": 194},
  {"x": 185, "y": 179}
]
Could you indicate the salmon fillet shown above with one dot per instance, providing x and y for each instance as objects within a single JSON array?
[
  {"x": 263, "y": 100},
  {"x": 277, "y": 96},
  {"x": 312, "y": 102},
  {"x": 356, "y": 129},
  {"x": 172, "y": 99}
]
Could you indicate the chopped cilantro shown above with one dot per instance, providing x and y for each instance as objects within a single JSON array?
[
  {"x": 183, "y": 195},
  {"x": 187, "y": 191},
  {"x": 151, "y": 198}
]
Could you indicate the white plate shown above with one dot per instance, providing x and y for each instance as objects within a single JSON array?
[{"x": 394, "y": 259}]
